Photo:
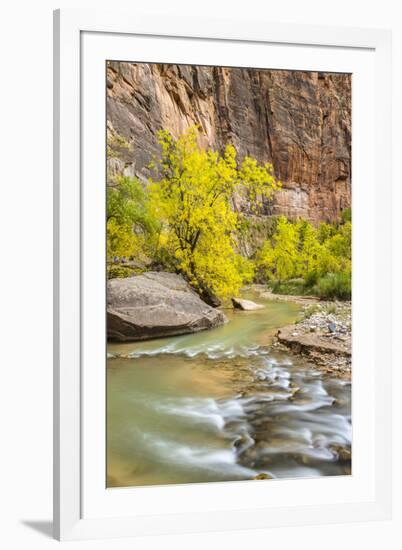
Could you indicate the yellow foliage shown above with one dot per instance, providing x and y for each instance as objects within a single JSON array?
[
  {"x": 192, "y": 196},
  {"x": 299, "y": 249},
  {"x": 186, "y": 219},
  {"x": 279, "y": 258},
  {"x": 121, "y": 241},
  {"x": 131, "y": 230}
]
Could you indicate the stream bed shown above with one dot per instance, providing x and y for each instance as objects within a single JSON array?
[{"x": 223, "y": 405}]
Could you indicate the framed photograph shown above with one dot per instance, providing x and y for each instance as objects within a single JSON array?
[{"x": 222, "y": 274}]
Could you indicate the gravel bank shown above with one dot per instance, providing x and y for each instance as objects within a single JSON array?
[{"x": 323, "y": 335}]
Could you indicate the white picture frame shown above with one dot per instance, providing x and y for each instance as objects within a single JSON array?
[{"x": 82, "y": 506}]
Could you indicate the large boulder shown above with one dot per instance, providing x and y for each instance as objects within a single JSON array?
[{"x": 156, "y": 304}]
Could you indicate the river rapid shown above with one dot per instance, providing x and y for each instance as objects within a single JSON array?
[{"x": 223, "y": 405}]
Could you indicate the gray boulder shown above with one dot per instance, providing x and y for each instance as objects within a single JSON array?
[
  {"x": 245, "y": 305},
  {"x": 156, "y": 304}
]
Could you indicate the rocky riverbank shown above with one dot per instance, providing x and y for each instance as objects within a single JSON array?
[{"x": 323, "y": 336}]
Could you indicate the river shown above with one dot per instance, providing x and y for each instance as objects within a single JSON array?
[{"x": 223, "y": 405}]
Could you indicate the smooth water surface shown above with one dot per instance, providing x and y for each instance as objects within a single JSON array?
[{"x": 221, "y": 405}]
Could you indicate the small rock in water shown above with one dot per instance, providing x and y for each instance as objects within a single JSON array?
[
  {"x": 243, "y": 443},
  {"x": 263, "y": 475},
  {"x": 245, "y": 305},
  {"x": 344, "y": 454}
]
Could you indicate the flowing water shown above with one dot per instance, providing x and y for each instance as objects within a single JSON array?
[{"x": 222, "y": 405}]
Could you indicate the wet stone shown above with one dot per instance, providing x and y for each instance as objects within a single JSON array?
[{"x": 263, "y": 475}]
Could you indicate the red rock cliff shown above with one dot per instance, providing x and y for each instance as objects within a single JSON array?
[{"x": 299, "y": 121}]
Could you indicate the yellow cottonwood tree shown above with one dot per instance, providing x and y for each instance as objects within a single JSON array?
[
  {"x": 298, "y": 249},
  {"x": 192, "y": 196},
  {"x": 310, "y": 249},
  {"x": 279, "y": 258},
  {"x": 339, "y": 246}
]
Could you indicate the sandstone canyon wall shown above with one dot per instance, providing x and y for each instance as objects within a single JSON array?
[{"x": 299, "y": 121}]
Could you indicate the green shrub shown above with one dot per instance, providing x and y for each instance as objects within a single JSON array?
[
  {"x": 347, "y": 215},
  {"x": 334, "y": 286},
  {"x": 311, "y": 279},
  {"x": 293, "y": 287}
]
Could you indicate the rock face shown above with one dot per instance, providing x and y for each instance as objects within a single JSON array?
[
  {"x": 299, "y": 121},
  {"x": 245, "y": 305},
  {"x": 156, "y": 304}
]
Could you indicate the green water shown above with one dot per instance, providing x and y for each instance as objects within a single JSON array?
[{"x": 221, "y": 405}]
